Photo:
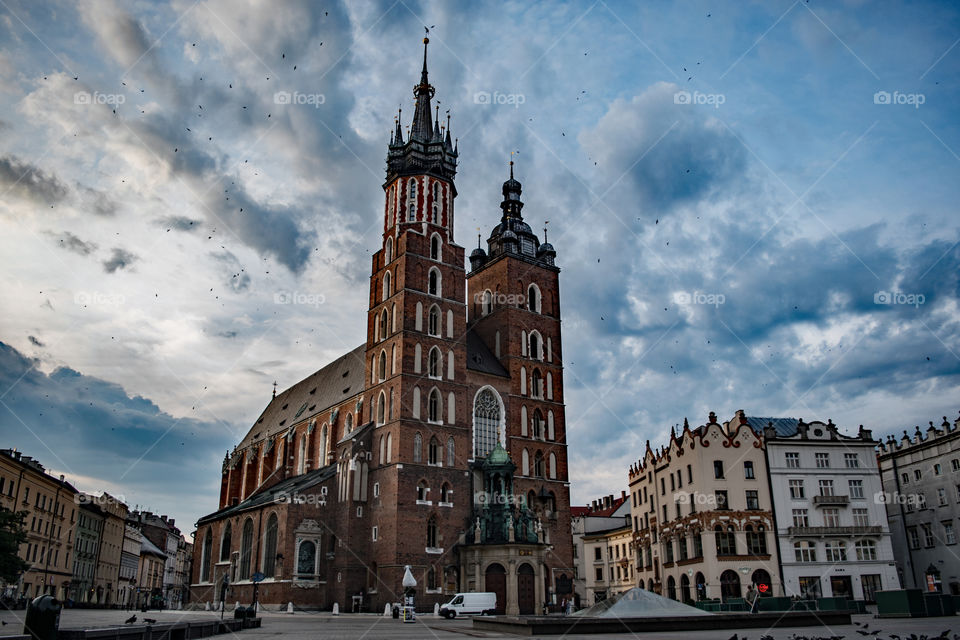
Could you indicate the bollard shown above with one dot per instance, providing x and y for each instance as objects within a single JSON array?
[
  {"x": 386, "y": 610},
  {"x": 436, "y": 609},
  {"x": 289, "y": 607},
  {"x": 336, "y": 608},
  {"x": 207, "y": 606}
]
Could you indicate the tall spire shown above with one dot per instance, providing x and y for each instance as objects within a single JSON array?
[{"x": 422, "y": 128}]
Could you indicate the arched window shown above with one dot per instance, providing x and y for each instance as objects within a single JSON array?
[
  {"x": 388, "y": 247},
  {"x": 553, "y": 466},
  {"x": 418, "y": 318},
  {"x": 246, "y": 547},
  {"x": 381, "y": 408},
  {"x": 383, "y": 450},
  {"x": 533, "y": 298},
  {"x": 384, "y": 325},
  {"x": 391, "y": 207},
  {"x": 389, "y": 447},
  {"x": 416, "y": 400},
  {"x": 671, "y": 588},
  {"x": 537, "y": 424},
  {"x": 205, "y": 556},
  {"x": 382, "y": 366},
  {"x": 486, "y": 422},
  {"x": 538, "y": 465},
  {"x": 422, "y": 491},
  {"x": 417, "y": 447},
  {"x": 549, "y": 386},
  {"x": 523, "y": 381},
  {"x": 302, "y": 456},
  {"x": 537, "y": 384},
  {"x": 435, "y": 209},
  {"x": 449, "y": 323},
  {"x": 433, "y": 321},
  {"x": 393, "y": 317},
  {"x": 726, "y": 541},
  {"x": 531, "y": 496},
  {"x": 307, "y": 558},
  {"x": 434, "y": 452},
  {"x": 535, "y": 344},
  {"x": 524, "y": 429},
  {"x": 729, "y": 585},
  {"x": 270, "y": 547},
  {"x": 387, "y": 286},
  {"x": 412, "y": 200},
  {"x": 322, "y": 458},
  {"x": 432, "y": 579},
  {"x": 525, "y": 463},
  {"x": 446, "y": 495},
  {"x": 433, "y": 282},
  {"x": 348, "y": 422},
  {"x": 432, "y": 532},
  {"x": 486, "y": 302},
  {"x": 434, "y": 363},
  {"x": 551, "y": 431},
  {"x": 451, "y": 451},
  {"x": 434, "y": 408},
  {"x": 435, "y": 247},
  {"x": 225, "y": 545}
]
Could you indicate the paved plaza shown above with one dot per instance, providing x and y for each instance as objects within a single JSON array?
[{"x": 320, "y": 626}]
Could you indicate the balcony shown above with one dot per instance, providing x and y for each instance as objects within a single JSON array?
[
  {"x": 831, "y": 501},
  {"x": 835, "y": 531}
]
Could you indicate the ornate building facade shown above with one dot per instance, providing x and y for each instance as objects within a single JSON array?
[{"x": 438, "y": 443}]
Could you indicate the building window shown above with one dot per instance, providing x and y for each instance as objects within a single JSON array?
[
  {"x": 861, "y": 517},
  {"x": 916, "y": 474},
  {"x": 805, "y": 551},
  {"x": 936, "y": 469},
  {"x": 306, "y": 558},
  {"x": 851, "y": 461},
  {"x": 422, "y": 491},
  {"x": 718, "y": 469},
  {"x": 432, "y": 533},
  {"x": 856, "y": 489},
  {"x": 835, "y": 551},
  {"x": 866, "y": 550},
  {"x": 748, "y": 470},
  {"x": 538, "y": 465},
  {"x": 376, "y": 489},
  {"x": 486, "y": 422},
  {"x": 433, "y": 451},
  {"x": 914, "y": 537},
  {"x": 374, "y": 533},
  {"x": 941, "y": 497},
  {"x": 904, "y": 478},
  {"x": 598, "y": 574},
  {"x": 831, "y": 517},
  {"x": 270, "y": 547},
  {"x": 726, "y": 541},
  {"x": 417, "y": 447},
  {"x": 955, "y": 464},
  {"x": 433, "y": 321},
  {"x": 796, "y": 489},
  {"x": 434, "y": 410},
  {"x": 949, "y": 535},
  {"x": 928, "y": 540},
  {"x": 433, "y": 282},
  {"x": 722, "y": 502},
  {"x": 826, "y": 487},
  {"x": 689, "y": 474},
  {"x": 800, "y": 518},
  {"x": 533, "y": 298},
  {"x": 753, "y": 500},
  {"x": 435, "y": 247},
  {"x": 756, "y": 541},
  {"x": 434, "y": 363},
  {"x": 823, "y": 460},
  {"x": 435, "y": 209},
  {"x": 246, "y": 547},
  {"x": 793, "y": 459}
]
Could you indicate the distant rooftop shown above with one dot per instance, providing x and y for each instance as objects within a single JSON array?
[{"x": 784, "y": 426}]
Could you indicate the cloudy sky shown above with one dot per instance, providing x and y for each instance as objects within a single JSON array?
[{"x": 754, "y": 206}]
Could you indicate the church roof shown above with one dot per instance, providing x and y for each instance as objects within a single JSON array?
[
  {"x": 480, "y": 358},
  {"x": 498, "y": 457},
  {"x": 334, "y": 383},
  {"x": 280, "y": 493}
]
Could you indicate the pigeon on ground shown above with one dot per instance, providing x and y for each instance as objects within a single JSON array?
[{"x": 130, "y": 620}]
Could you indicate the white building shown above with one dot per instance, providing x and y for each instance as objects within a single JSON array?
[
  {"x": 602, "y": 549},
  {"x": 831, "y": 527}
]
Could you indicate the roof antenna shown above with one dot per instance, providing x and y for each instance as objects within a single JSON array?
[
  {"x": 545, "y": 223},
  {"x": 478, "y": 237},
  {"x": 274, "y": 388}
]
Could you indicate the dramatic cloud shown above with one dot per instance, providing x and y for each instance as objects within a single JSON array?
[
  {"x": 119, "y": 259},
  {"x": 70, "y": 242},
  {"x": 25, "y": 180}
]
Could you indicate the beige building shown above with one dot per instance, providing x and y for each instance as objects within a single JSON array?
[
  {"x": 609, "y": 558},
  {"x": 609, "y": 513},
  {"x": 702, "y": 516},
  {"x": 110, "y": 549},
  {"x": 50, "y": 506},
  {"x": 129, "y": 565},
  {"x": 150, "y": 574}
]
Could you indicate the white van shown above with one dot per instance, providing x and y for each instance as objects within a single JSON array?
[{"x": 470, "y": 604}]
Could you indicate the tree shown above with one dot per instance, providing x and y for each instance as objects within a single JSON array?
[{"x": 12, "y": 535}]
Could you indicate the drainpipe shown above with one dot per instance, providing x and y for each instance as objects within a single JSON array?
[{"x": 903, "y": 520}]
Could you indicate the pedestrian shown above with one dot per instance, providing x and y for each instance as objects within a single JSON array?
[{"x": 752, "y": 596}]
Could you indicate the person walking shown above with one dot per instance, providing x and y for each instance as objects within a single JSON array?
[{"x": 752, "y": 596}]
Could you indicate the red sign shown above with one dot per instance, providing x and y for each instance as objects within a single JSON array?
[{"x": 763, "y": 588}]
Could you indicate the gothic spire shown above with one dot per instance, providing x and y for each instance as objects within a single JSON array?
[{"x": 422, "y": 128}]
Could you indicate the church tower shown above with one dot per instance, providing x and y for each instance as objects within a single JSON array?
[{"x": 416, "y": 355}]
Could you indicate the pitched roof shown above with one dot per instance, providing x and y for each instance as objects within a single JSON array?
[
  {"x": 278, "y": 493},
  {"x": 480, "y": 358},
  {"x": 334, "y": 383},
  {"x": 599, "y": 513},
  {"x": 784, "y": 426},
  {"x": 148, "y": 547}
]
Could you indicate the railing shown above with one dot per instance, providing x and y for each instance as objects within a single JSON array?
[
  {"x": 830, "y": 500},
  {"x": 835, "y": 531}
]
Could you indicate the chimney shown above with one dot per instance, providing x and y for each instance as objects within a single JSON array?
[
  {"x": 171, "y": 521},
  {"x": 623, "y": 494}
]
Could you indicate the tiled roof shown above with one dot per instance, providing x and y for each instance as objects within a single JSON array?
[
  {"x": 148, "y": 547},
  {"x": 334, "y": 383},
  {"x": 600, "y": 513},
  {"x": 480, "y": 358},
  {"x": 784, "y": 426},
  {"x": 280, "y": 492}
]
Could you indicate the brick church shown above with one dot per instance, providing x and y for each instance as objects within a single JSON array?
[{"x": 439, "y": 443}]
